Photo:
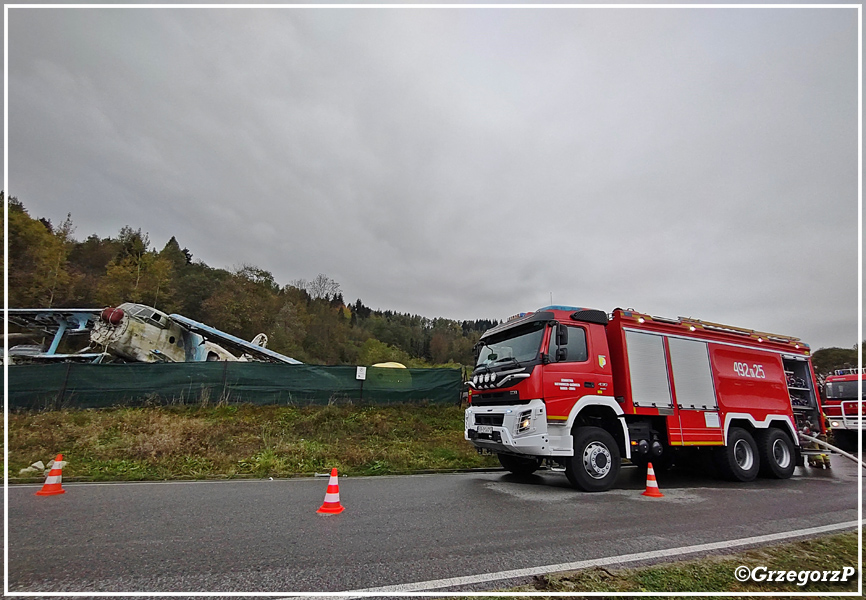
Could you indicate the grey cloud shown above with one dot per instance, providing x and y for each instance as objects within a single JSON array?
[{"x": 465, "y": 163}]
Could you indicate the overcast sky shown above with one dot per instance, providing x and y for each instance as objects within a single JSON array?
[{"x": 464, "y": 163}]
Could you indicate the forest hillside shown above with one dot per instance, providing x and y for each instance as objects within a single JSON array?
[{"x": 309, "y": 320}]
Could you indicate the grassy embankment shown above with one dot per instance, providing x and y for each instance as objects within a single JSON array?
[
  {"x": 176, "y": 442},
  {"x": 716, "y": 573}
]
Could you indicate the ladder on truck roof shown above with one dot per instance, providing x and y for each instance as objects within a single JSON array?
[{"x": 693, "y": 324}]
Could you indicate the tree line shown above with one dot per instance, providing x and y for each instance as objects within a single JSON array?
[{"x": 307, "y": 320}]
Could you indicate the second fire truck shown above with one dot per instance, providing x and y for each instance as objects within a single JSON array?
[
  {"x": 582, "y": 390},
  {"x": 842, "y": 408}
]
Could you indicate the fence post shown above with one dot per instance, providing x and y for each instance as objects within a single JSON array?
[
  {"x": 225, "y": 381},
  {"x": 58, "y": 402}
]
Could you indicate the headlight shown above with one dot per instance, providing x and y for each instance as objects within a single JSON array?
[
  {"x": 834, "y": 423},
  {"x": 524, "y": 421},
  {"x": 486, "y": 377}
]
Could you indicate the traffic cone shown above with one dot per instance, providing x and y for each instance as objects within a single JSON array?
[
  {"x": 52, "y": 482},
  {"x": 331, "y": 505},
  {"x": 652, "y": 486}
]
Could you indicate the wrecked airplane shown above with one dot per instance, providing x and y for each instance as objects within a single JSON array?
[{"x": 134, "y": 333}]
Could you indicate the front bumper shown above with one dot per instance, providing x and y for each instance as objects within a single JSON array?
[{"x": 515, "y": 429}]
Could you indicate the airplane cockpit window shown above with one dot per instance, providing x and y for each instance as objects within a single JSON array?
[
  {"x": 136, "y": 310},
  {"x": 146, "y": 314}
]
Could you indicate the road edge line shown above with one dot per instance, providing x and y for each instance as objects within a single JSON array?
[{"x": 435, "y": 584}]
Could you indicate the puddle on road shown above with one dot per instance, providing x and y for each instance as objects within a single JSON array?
[
  {"x": 534, "y": 493},
  {"x": 545, "y": 493}
]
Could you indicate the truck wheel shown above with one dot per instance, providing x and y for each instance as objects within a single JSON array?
[
  {"x": 596, "y": 461},
  {"x": 776, "y": 454},
  {"x": 739, "y": 461},
  {"x": 518, "y": 465}
]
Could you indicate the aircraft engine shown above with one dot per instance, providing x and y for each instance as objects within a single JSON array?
[{"x": 112, "y": 316}]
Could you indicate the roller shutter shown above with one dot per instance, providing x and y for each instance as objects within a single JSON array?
[
  {"x": 648, "y": 370},
  {"x": 693, "y": 379}
]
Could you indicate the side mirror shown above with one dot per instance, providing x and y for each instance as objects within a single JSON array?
[
  {"x": 561, "y": 354},
  {"x": 561, "y": 335}
]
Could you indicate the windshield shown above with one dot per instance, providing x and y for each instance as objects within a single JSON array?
[
  {"x": 842, "y": 390},
  {"x": 520, "y": 344}
]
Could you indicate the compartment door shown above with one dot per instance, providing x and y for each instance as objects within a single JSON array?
[
  {"x": 648, "y": 370},
  {"x": 695, "y": 392}
]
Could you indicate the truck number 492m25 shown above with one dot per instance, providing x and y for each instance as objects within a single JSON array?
[{"x": 582, "y": 390}]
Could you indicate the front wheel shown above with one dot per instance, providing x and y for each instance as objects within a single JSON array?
[
  {"x": 518, "y": 465},
  {"x": 739, "y": 461},
  {"x": 596, "y": 460}
]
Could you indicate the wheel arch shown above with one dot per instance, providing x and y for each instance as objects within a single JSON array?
[
  {"x": 608, "y": 410},
  {"x": 749, "y": 423}
]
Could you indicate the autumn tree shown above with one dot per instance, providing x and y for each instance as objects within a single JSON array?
[
  {"x": 323, "y": 287},
  {"x": 37, "y": 259},
  {"x": 245, "y": 304},
  {"x": 88, "y": 262},
  {"x": 137, "y": 273}
]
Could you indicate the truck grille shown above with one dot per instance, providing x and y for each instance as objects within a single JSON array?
[
  {"x": 494, "y": 419},
  {"x": 508, "y": 398}
]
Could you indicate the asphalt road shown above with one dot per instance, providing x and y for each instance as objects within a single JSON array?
[{"x": 265, "y": 536}]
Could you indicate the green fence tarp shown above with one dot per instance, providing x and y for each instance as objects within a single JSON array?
[{"x": 94, "y": 386}]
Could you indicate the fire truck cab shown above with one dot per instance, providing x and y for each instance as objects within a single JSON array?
[
  {"x": 843, "y": 406},
  {"x": 582, "y": 390}
]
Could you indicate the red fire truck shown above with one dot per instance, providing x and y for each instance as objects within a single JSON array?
[
  {"x": 842, "y": 408},
  {"x": 582, "y": 390}
]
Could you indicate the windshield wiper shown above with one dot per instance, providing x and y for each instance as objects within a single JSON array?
[{"x": 504, "y": 358}]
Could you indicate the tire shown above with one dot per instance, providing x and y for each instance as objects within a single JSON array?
[
  {"x": 520, "y": 466},
  {"x": 776, "y": 453},
  {"x": 739, "y": 460},
  {"x": 596, "y": 460}
]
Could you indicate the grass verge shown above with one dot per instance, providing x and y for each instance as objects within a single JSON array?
[
  {"x": 716, "y": 573},
  {"x": 179, "y": 442}
]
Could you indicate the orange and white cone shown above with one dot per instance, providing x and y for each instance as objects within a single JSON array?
[
  {"x": 52, "y": 482},
  {"x": 652, "y": 486},
  {"x": 331, "y": 505}
]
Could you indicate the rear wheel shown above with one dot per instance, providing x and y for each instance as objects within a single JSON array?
[
  {"x": 518, "y": 464},
  {"x": 739, "y": 461},
  {"x": 596, "y": 460},
  {"x": 776, "y": 454}
]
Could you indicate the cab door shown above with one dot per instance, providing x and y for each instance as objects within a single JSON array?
[{"x": 569, "y": 373}]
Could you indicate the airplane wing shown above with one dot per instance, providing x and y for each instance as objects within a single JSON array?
[
  {"x": 20, "y": 355},
  {"x": 231, "y": 342},
  {"x": 55, "y": 322},
  {"x": 49, "y": 320}
]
